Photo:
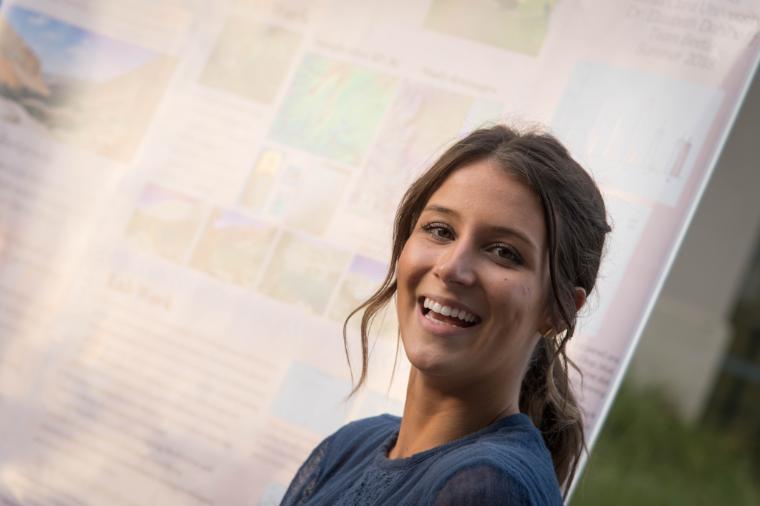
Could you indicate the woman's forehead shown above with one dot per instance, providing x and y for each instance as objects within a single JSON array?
[{"x": 485, "y": 192}]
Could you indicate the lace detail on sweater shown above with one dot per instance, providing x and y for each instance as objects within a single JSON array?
[
  {"x": 369, "y": 488},
  {"x": 305, "y": 482}
]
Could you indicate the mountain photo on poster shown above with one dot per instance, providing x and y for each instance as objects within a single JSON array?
[{"x": 80, "y": 87}]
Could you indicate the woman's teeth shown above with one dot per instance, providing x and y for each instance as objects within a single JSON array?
[{"x": 449, "y": 311}]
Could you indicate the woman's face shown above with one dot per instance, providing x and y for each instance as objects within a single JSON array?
[{"x": 477, "y": 255}]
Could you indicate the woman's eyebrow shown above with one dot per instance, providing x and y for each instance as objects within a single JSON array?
[
  {"x": 440, "y": 209},
  {"x": 496, "y": 229}
]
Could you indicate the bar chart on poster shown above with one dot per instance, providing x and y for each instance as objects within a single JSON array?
[{"x": 194, "y": 195}]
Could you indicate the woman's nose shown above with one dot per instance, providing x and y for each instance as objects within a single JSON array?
[{"x": 455, "y": 265}]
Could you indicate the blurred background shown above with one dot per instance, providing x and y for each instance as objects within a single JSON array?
[{"x": 685, "y": 427}]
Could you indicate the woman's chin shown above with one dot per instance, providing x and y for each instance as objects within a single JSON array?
[{"x": 431, "y": 363}]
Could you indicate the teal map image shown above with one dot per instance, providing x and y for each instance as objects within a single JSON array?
[{"x": 333, "y": 109}]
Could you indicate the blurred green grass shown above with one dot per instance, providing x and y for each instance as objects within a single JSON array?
[{"x": 646, "y": 455}]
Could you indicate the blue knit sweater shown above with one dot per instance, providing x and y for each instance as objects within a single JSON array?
[{"x": 505, "y": 463}]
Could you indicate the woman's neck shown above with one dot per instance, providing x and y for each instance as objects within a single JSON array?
[{"x": 434, "y": 416}]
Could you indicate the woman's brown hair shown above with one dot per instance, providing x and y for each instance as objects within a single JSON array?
[{"x": 576, "y": 224}]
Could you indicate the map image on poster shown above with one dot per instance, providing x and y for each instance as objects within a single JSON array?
[
  {"x": 327, "y": 98},
  {"x": 195, "y": 195}
]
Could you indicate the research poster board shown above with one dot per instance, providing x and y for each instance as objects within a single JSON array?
[{"x": 194, "y": 194}]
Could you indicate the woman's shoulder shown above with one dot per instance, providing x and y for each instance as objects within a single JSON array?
[
  {"x": 350, "y": 447},
  {"x": 372, "y": 428},
  {"x": 385, "y": 421},
  {"x": 508, "y": 462},
  {"x": 358, "y": 439}
]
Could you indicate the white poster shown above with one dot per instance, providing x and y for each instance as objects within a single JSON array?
[{"x": 193, "y": 195}]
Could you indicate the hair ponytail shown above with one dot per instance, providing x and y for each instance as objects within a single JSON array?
[{"x": 546, "y": 397}]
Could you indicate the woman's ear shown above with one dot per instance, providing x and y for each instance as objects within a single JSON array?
[
  {"x": 580, "y": 298},
  {"x": 579, "y": 295}
]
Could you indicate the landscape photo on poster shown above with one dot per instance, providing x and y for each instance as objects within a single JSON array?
[
  {"x": 333, "y": 108},
  {"x": 251, "y": 58},
  {"x": 83, "y": 88},
  {"x": 514, "y": 25}
]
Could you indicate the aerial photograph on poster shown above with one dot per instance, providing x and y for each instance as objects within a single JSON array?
[{"x": 83, "y": 88}]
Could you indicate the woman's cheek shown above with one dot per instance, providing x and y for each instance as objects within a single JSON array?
[{"x": 417, "y": 258}]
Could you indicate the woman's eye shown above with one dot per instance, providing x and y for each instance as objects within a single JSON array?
[
  {"x": 438, "y": 231},
  {"x": 507, "y": 253}
]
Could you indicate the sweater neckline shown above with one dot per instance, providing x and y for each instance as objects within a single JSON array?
[{"x": 381, "y": 456}]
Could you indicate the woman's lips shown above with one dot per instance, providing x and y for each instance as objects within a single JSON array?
[
  {"x": 440, "y": 324},
  {"x": 447, "y": 310}
]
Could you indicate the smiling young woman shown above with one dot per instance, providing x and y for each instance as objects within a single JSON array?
[{"x": 495, "y": 249}]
